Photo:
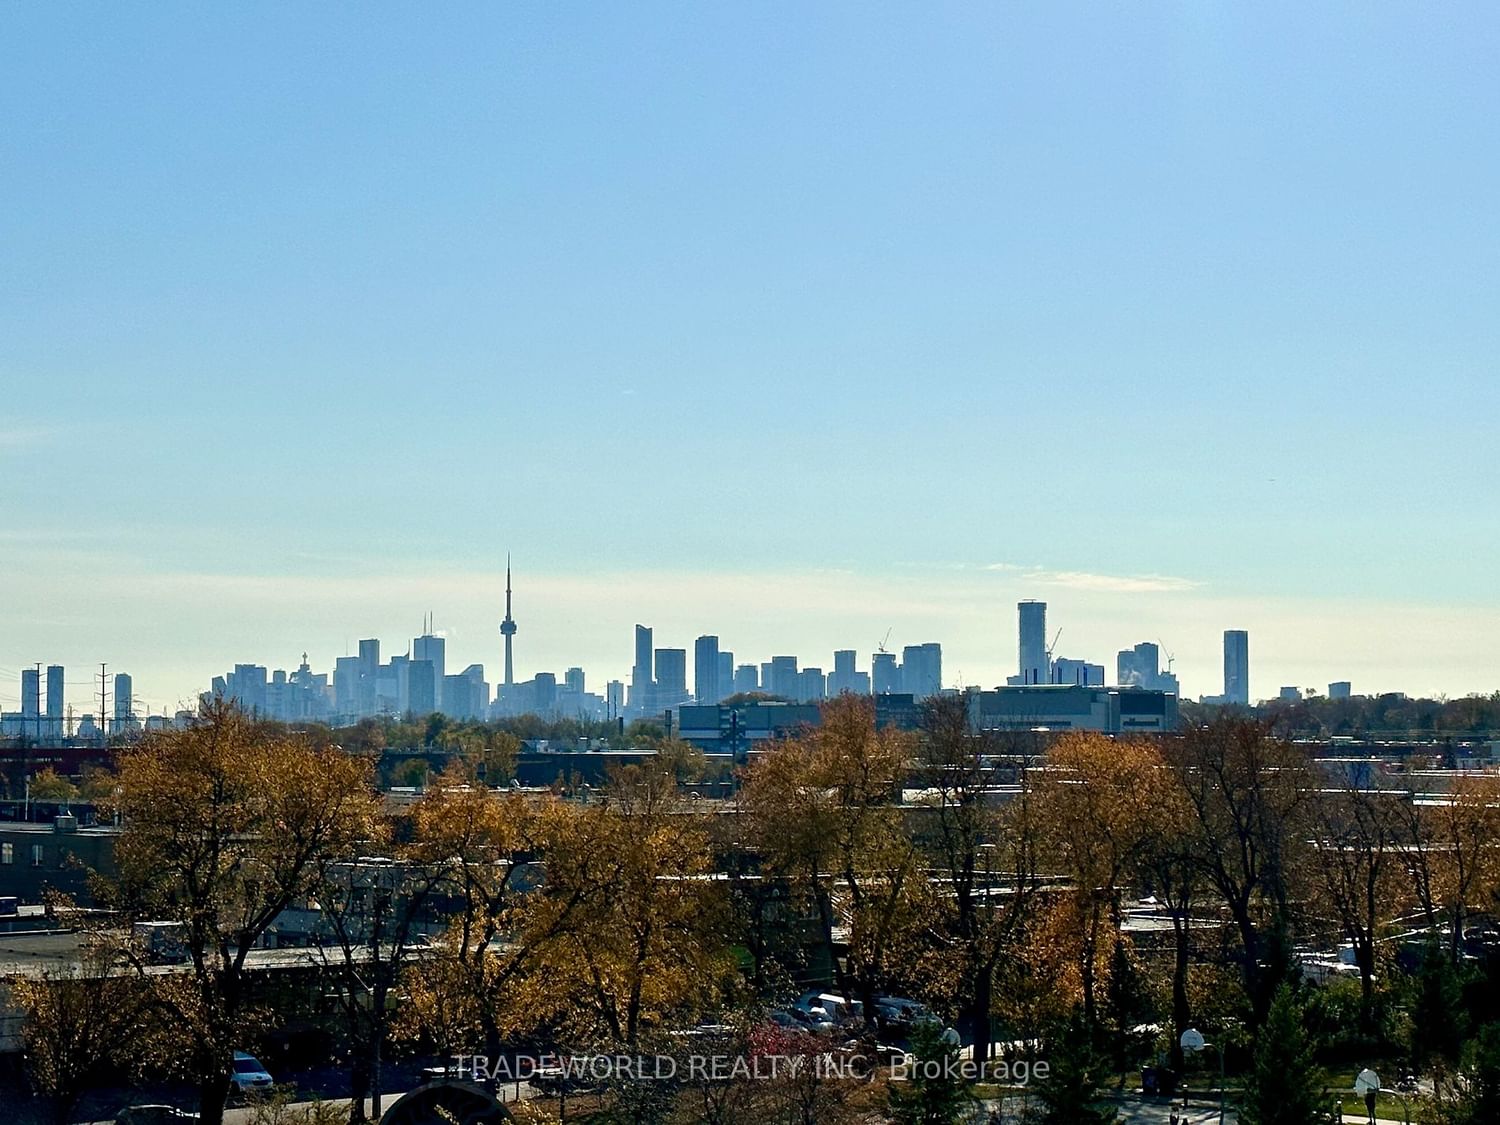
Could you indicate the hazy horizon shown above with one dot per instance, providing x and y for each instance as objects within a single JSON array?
[{"x": 788, "y": 324}]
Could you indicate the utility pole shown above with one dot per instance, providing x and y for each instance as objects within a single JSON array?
[
  {"x": 36, "y": 701},
  {"x": 103, "y": 702}
]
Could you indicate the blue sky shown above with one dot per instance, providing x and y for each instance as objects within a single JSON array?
[{"x": 1180, "y": 317}]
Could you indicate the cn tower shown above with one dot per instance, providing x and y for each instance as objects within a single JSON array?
[{"x": 508, "y": 628}]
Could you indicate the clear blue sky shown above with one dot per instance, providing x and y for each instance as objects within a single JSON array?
[{"x": 701, "y": 304}]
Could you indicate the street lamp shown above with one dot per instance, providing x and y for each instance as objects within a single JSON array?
[{"x": 1192, "y": 1041}]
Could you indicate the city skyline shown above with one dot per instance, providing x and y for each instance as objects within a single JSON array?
[{"x": 582, "y": 642}]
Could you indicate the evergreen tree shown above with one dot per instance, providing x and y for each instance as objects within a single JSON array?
[
  {"x": 1127, "y": 1004},
  {"x": 1283, "y": 1087},
  {"x": 1438, "y": 1025},
  {"x": 1475, "y": 1100},
  {"x": 936, "y": 1093},
  {"x": 1071, "y": 1090}
]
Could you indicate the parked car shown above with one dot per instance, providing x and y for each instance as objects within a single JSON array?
[
  {"x": 898, "y": 1014},
  {"x": 247, "y": 1075},
  {"x": 554, "y": 1080},
  {"x": 154, "y": 1115},
  {"x": 161, "y": 943},
  {"x": 835, "y": 1007}
]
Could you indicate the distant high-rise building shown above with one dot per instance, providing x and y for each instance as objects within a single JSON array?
[
  {"x": 1033, "y": 631},
  {"x": 706, "y": 670},
  {"x": 421, "y": 688},
  {"x": 1237, "y": 666},
  {"x": 432, "y": 649},
  {"x": 671, "y": 677},
  {"x": 124, "y": 701},
  {"x": 508, "y": 630},
  {"x": 885, "y": 676},
  {"x": 574, "y": 679},
  {"x": 55, "y": 694},
  {"x": 1290, "y": 694},
  {"x": 31, "y": 693},
  {"x": 348, "y": 680},
  {"x": 614, "y": 698},
  {"x": 922, "y": 669},
  {"x": 844, "y": 677},
  {"x": 1340, "y": 689},
  {"x": 369, "y": 675},
  {"x": 746, "y": 679},
  {"x": 641, "y": 674},
  {"x": 726, "y": 674},
  {"x": 247, "y": 686},
  {"x": 1140, "y": 667},
  {"x": 1077, "y": 673},
  {"x": 783, "y": 678},
  {"x": 811, "y": 685}
]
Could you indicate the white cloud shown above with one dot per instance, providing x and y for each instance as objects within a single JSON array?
[{"x": 1106, "y": 583}]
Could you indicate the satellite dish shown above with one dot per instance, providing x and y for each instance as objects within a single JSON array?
[
  {"x": 1192, "y": 1040},
  {"x": 1367, "y": 1082}
]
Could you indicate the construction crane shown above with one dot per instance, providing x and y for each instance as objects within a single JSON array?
[
  {"x": 1161, "y": 644},
  {"x": 1053, "y": 646},
  {"x": 881, "y": 647}
]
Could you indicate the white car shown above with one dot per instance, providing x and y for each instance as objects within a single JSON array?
[{"x": 246, "y": 1075}]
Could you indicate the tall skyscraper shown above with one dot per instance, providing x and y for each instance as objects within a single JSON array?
[
  {"x": 574, "y": 679},
  {"x": 432, "y": 649},
  {"x": 369, "y": 678},
  {"x": 508, "y": 629},
  {"x": 746, "y": 679},
  {"x": 885, "y": 676},
  {"x": 641, "y": 677},
  {"x": 124, "y": 701},
  {"x": 1033, "y": 627},
  {"x": 922, "y": 669},
  {"x": 1237, "y": 666},
  {"x": 55, "y": 694},
  {"x": 31, "y": 693},
  {"x": 706, "y": 670},
  {"x": 421, "y": 688},
  {"x": 844, "y": 677},
  {"x": 782, "y": 680},
  {"x": 348, "y": 678},
  {"x": 1138, "y": 666},
  {"x": 812, "y": 685},
  {"x": 726, "y": 674},
  {"x": 671, "y": 677},
  {"x": 1340, "y": 689}
]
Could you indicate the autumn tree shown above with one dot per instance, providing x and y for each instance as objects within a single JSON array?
[
  {"x": 480, "y": 985},
  {"x": 49, "y": 785},
  {"x": 650, "y": 937},
  {"x": 1247, "y": 795},
  {"x": 1358, "y": 829},
  {"x": 77, "y": 1022},
  {"x": 373, "y": 899},
  {"x": 1460, "y": 853},
  {"x": 983, "y": 854},
  {"x": 825, "y": 814},
  {"x": 1169, "y": 868},
  {"x": 1088, "y": 801},
  {"x": 224, "y": 825}
]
